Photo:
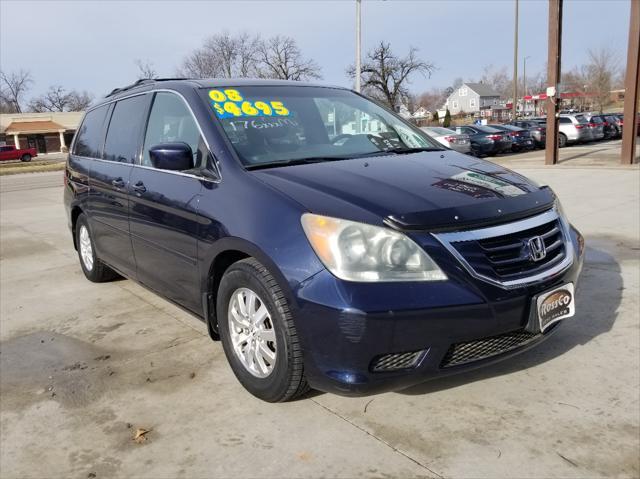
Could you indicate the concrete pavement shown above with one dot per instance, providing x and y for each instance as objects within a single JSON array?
[{"x": 83, "y": 365}]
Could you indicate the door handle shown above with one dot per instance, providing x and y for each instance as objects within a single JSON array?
[
  {"x": 139, "y": 187},
  {"x": 118, "y": 183}
]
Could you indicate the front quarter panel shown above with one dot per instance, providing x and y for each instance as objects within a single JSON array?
[{"x": 243, "y": 214}]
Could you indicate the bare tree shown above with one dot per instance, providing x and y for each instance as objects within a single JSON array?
[
  {"x": 600, "y": 73},
  {"x": 433, "y": 99},
  {"x": 13, "y": 87},
  {"x": 79, "y": 101},
  {"x": 385, "y": 75},
  {"x": 499, "y": 79},
  {"x": 223, "y": 55},
  {"x": 57, "y": 99},
  {"x": 279, "y": 57},
  {"x": 146, "y": 70}
]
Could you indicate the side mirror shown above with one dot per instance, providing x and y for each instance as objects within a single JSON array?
[{"x": 171, "y": 156}]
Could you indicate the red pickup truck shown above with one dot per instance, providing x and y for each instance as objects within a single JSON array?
[{"x": 11, "y": 153}]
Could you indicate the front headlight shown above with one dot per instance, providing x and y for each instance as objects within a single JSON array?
[{"x": 360, "y": 252}]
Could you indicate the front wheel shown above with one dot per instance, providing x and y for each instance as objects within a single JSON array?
[
  {"x": 26, "y": 157},
  {"x": 258, "y": 334}
]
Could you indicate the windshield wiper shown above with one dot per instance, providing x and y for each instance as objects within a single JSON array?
[
  {"x": 295, "y": 161},
  {"x": 397, "y": 151},
  {"x": 405, "y": 151}
]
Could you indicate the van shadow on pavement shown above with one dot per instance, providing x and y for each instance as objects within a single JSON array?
[{"x": 599, "y": 295}]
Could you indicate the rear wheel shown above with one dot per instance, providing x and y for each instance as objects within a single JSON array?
[
  {"x": 562, "y": 140},
  {"x": 26, "y": 157},
  {"x": 258, "y": 335},
  {"x": 94, "y": 269}
]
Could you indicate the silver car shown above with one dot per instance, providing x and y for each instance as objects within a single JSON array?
[
  {"x": 449, "y": 138},
  {"x": 574, "y": 129}
]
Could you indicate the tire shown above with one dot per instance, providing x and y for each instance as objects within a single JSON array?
[
  {"x": 93, "y": 269},
  {"x": 562, "y": 140},
  {"x": 273, "y": 380},
  {"x": 26, "y": 158}
]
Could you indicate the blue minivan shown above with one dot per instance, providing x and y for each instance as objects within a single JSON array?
[{"x": 327, "y": 242}]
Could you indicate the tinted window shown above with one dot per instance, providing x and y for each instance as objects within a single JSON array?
[
  {"x": 171, "y": 121},
  {"x": 6, "y": 148},
  {"x": 125, "y": 127},
  {"x": 91, "y": 134},
  {"x": 596, "y": 119},
  {"x": 564, "y": 119}
]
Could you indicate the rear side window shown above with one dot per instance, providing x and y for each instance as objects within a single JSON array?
[
  {"x": 564, "y": 119},
  {"x": 125, "y": 127},
  {"x": 171, "y": 121},
  {"x": 91, "y": 134}
]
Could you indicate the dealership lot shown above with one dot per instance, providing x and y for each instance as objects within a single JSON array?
[{"x": 83, "y": 366}]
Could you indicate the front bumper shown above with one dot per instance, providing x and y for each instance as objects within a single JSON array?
[{"x": 346, "y": 327}]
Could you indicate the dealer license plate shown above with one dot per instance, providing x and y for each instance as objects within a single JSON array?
[{"x": 555, "y": 305}]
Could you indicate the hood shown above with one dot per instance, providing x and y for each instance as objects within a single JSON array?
[{"x": 426, "y": 190}]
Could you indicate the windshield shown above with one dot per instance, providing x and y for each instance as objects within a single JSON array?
[{"x": 282, "y": 124}]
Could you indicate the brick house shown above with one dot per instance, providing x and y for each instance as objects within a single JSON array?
[{"x": 47, "y": 132}]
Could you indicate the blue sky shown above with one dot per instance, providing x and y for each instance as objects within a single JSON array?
[{"x": 92, "y": 45}]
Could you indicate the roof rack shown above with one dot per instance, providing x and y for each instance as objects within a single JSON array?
[{"x": 140, "y": 82}]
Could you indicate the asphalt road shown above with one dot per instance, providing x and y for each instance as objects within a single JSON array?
[{"x": 84, "y": 365}]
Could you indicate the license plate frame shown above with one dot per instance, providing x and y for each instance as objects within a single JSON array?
[{"x": 555, "y": 305}]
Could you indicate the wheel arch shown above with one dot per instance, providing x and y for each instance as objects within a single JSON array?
[{"x": 226, "y": 252}]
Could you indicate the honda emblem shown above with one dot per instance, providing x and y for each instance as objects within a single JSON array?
[{"x": 537, "y": 249}]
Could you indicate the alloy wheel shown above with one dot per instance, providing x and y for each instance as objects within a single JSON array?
[
  {"x": 86, "y": 250},
  {"x": 252, "y": 334}
]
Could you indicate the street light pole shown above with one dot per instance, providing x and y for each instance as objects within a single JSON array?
[
  {"x": 358, "y": 45},
  {"x": 524, "y": 82},
  {"x": 524, "y": 74},
  {"x": 515, "y": 66}
]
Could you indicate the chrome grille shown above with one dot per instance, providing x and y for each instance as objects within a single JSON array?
[
  {"x": 507, "y": 257},
  {"x": 395, "y": 361},
  {"x": 467, "y": 352},
  {"x": 502, "y": 255}
]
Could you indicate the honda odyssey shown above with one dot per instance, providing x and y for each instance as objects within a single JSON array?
[{"x": 326, "y": 241}]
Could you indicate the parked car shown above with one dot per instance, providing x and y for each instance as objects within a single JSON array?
[
  {"x": 521, "y": 138},
  {"x": 616, "y": 120},
  {"x": 573, "y": 129},
  {"x": 355, "y": 259},
  {"x": 449, "y": 138},
  {"x": 611, "y": 127},
  {"x": 485, "y": 140},
  {"x": 537, "y": 130},
  {"x": 596, "y": 125},
  {"x": 12, "y": 153}
]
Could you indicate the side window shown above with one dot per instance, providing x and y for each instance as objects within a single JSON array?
[
  {"x": 564, "y": 119},
  {"x": 171, "y": 121},
  {"x": 90, "y": 136},
  {"x": 123, "y": 136}
]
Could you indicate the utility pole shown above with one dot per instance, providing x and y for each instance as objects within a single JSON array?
[
  {"x": 515, "y": 67},
  {"x": 358, "y": 45},
  {"x": 553, "y": 80},
  {"x": 631, "y": 88}
]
